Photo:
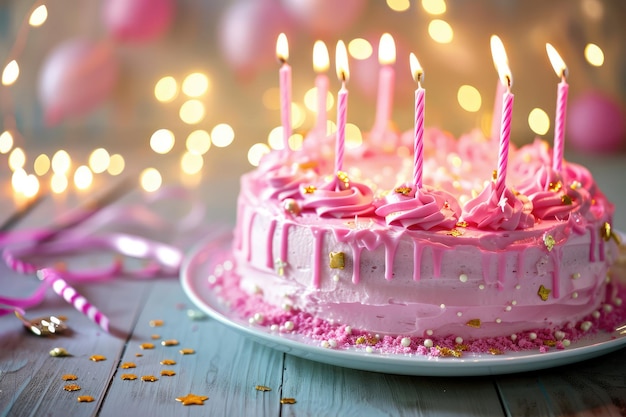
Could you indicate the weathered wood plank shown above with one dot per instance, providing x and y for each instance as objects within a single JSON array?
[
  {"x": 321, "y": 389},
  {"x": 596, "y": 387},
  {"x": 226, "y": 367}
]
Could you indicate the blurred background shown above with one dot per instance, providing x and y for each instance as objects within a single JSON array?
[{"x": 186, "y": 91}]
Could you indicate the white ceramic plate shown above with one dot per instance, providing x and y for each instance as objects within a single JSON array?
[{"x": 200, "y": 262}]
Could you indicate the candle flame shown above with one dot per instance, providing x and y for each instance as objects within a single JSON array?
[
  {"x": 416, "y": 69},
  {"x": 557, "y": 62},
  {"x": 341, "y": 58},
  {"x": 321, "y": 62},
  {"x": 282, "y": 48},
  {"x": 386, "y": 50},
  {"x": 501, "y": 61}
]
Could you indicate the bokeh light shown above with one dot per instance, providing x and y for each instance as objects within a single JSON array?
[
  {"x": 310, "y": 100},
  {"x": 61, "y": 162},
  {"x": 354, "y": 137},
  {"x": 10, "y": 73},
  {"x": 99, "y": 160},
  {"x": 191, "y": 163},
  {"x": 435, "y": 7},
  {"x": 83, "y": 177},
  {"x": 6, "y": 141},
  {"x": 298, "y": 115},
  {"x": 256, "y": 152},
  {"x": 41, "y": 164},
  {"x": 398, "y": 5},
  {"x": 192, "y": 112},
  {"x": 116, "y": 164},
  {"x": 195, "y": 84},
  {"x": 166, "y": 89},
  {"x": 222, "y": 135},
  {"x": 360, "y": 48},
  {"x": 198, "y": 142},
  {"x": 150, "y": 179},
  {"x": 58, "y": 183},
  {"x": 440, "y": 31},
  {"x": 594, "y": 55},
  {"x": 162, "y": 141},
  {"x": 39, "y": 16},
  {"x": 17, "y": 179},
  {"x": 271, "y": 98},
  {"x": 469, "y": 98},
  {"x": 538, "y": 121},
  {"x": 17, "y": 159},
  {"x": 30, "y": 187}
]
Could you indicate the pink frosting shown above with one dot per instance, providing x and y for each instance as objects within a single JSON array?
[
  {"x": 488, "y": 211},
  {"x": 284, "y": 182},
  {"x": 420, "y": 209},
  {"x": 355, "y": 200}
]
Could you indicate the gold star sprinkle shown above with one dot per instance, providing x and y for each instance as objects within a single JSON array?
[
  {"x": 550, "y": 343},
  {"x": 69, "y": 377},
  {"x": 128, "y": 365},
  {"x": 149, "y": 378},
  {"x": 262, "y": 388},
  {"x": 287, "y": 400},
  {"x": 343, "y": 179},
  {"x": 59, "y": 352},
  {"x": 138, "y": 355},
  {"x": 187, "y": 351},
  {"x": 337, "y": 260},
  {"x": 555, "y": 186},
  {"x": 605, "y": 231},
  {"x": 360, "y": 340},
  {"x": 169, "y": 342},
  {"x": 445, "y": 351},
  {"x": 192, "y": 399},
  {"x": 455, "y": 233},
  {"x": 543, "y": 293},
  {"x": 155, "y": 337},
  {"x": 168, "y": 362},
  {"x": 167, "y": 372},
  {"x": 309, "y": 189},
  {"x": 461, "y": 224},
  {"x": 495, "y": 351},
  {"x": 156, "y": 323},
  {"x": 566, "y": 200},
  {"x": 71, "y": 387},
  {"x": 403, "y": 190},
  {"x": 147, "y": 346},
  {"x": 473, "y": 323},
  {"x": 128, "y": 377},
  {"x": 85, "y": 398},
  {"x": 97, "y": 358},
  {"x": 280, "y": 265},
  {"x": 549, "y": 241}
]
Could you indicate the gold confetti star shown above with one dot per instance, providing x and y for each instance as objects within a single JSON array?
[
  {"x": 555, "y": 186},
  {"x": 168, "y": 362},
  {"x": 147, "y": 346},
  {"x": 149, "y": 378},
  {"x": 97, "y": 358},
  {"x": 169, "y": 342},
  {"x": 461, "y": 224},
  {"x": 187, "y": 351},
  {"x": 454, "y": 233},
  {"x": 69, "y": 377},
  {"x": 543, "y": 293},
  {"x": 495, "y": 351},
  {"x": 309, "y": 189},
  {"x": 473, "y": 323},
  {"x": 262, "y": 388},
  {"x": 337, "y": 260},
  {"x": 85, "y": 398},
  {"x": 192, "y": 399},
  {"x": 167, "y": 372},
  {"x": 128, "y": 365},
  {"x": 403, "y": 190},
  {"x": 566, "y": 200},
  {"x": 549, "y": 241},
  {"x": 287, "y": 400},
  {"x": 71, "y": 387},
  {"x": 605, "y": 231},
  {"x": 156, "y": 323},
  {"x": 128, "y": 377}
]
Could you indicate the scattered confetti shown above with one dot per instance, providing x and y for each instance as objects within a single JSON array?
[
  {"x": 69, "y": 377},
  {"x": 192, "y": 399},
  {"x": 187, "y": 351},
  {"x": 128, "y": 365},
  {"x": 336, "y": 260},
  {"x": 167, "y": 372},
  {"x": 59, "y": 352},
  {"x": 543, "y": 293},
  {"x": 155, "y": 336},
  {"x": 146, "y": 346},
  {"x": 196, "y": 314},
  {"x": 85, "y": 399},
  {"x": 156, "y": 323},
  {"x": 403, "y": 190},
  {"x": 71, "y": 387},
  {"x": 97, "y": 358},
  {"x": 549, "y": 241},
  {"x": 287, "y": 400},
  {"x": 128, "y": 377},
  {"x": 262, "y": 388},
  {"x": 138, "y": 355},
  {"x": 474, "y": 323},
  {"x": 149, "y": 378},
  {"x": 169, "y": 342},
  {"x": 168, "y": 362}
]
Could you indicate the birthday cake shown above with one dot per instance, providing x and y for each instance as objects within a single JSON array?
[{"x": 340, "y": 257}]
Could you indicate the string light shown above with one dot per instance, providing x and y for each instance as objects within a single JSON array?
[
  {"x": 222, "y": 135},
  {"x": 39, "y": 16},
  {"x": 360, "y": 48},
  {"x": 10, "y": 73}
]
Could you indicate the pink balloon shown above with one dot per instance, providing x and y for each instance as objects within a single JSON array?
[
  {"x": 137, "y": 20},
  {"x": 595, "y": 123},
  {"x": 325, "y": 17},
  {"x": 76, "y": 77},
  {"x": 248, "y": 32}
]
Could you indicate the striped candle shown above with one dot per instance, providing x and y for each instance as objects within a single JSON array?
[
  {"x": 343, "y": 73},
  {"x": 320, "y": 65},
  {"x": 418, "y": 151},
  {"x": 284, "y": 78},
  {"x": 561, "y": 107}
]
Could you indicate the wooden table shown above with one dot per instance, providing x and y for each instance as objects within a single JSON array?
[{"x": 226, "y": 367}]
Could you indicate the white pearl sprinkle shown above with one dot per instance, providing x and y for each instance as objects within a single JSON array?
[
  {"x": 576, "y": 275},
  {"x": 369, "y": 349},
  {"x": 428, "y": 343},
  {"x": 607, "y": 308},
  {"x": 251, "y": 320},
  {"x": 347, "y": 330},
  {"x": 429, "y": 332},
  {"x": 498, "y": 320},
  {"x": 514, "y": 337},
  {"x": 481, "y": 287},
  {"x": 596, "y": 314},
  {"x": 287, "y": 307},
  {"x": 406, "y": 342},
  {"x": 566, "y": 342},
  {"x": 517, "y": 287},
  {"x": 332, "y": 343},
  {"x": 514, "y": 303},
  {"x": 559, "y": 335},
  {"x": 585, "y": 325},
  {"x": 442, "y": 306},
  {"x": 575, "y": 294},
  {"x": 325, "y": 344},
  {"x": 289, "y": 325},
  {"x": 617, "y": 301},
  {"x": 212, "y": 279},
  {"x": 228, "y": 265},
  {"x": 336, "y": 278},
  {"x": 463, "y": 277},
  {"x": 258, "y": 317},
  {"x": 274, "y": 327},
  {"x": 532, "y": 336},
  {"x": 508, "y": 308},
  {"x": 459, "y": 313},
  {"x": 458, "y": 340}
]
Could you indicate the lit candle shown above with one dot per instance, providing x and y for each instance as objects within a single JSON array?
[
  {"x": 561, "y": 107},
  {"x": 418, "y": 154},
  {"x": 499, "y": 57},
  {"x": 343, "y": 73},
  {"x": 500, "y": 89},
  {"x": 284, "y": 75},
  {"x": 386, "y": 78},
  {"x": 321, "y": 64}
]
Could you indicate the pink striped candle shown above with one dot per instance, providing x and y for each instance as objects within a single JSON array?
[
  {"x": 561, "y": 107},
  {"x": 284, "y": 78},
  {"x": 420, "y": 99},
  {"x": 497, "y": 48},
  {"x": 320, "y": 65},
  {"x": 343, "y": 73},
  {"x": 386, "y": 80}
]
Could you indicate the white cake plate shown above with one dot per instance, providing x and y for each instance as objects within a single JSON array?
[{"x": 199, "y": 265}]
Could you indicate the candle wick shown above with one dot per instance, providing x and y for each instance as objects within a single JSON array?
[
  {"x": 508, "y": 82},
  {"x": 282, "y": 60}
]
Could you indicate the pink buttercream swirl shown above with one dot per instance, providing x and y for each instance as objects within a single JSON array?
[
  {"x": 423, "y": 208},
  {"x": 285, "y": 182},
  {"x": 354, "y": 199},
  {"x": 490, "y": 211}
]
